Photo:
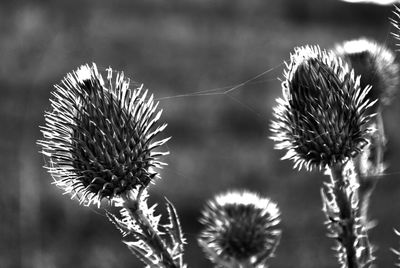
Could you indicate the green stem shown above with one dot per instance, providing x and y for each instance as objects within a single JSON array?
[{"x": 347, "y": 220}]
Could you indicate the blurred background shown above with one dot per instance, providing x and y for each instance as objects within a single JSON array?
[{"x": 219, "y": 142}]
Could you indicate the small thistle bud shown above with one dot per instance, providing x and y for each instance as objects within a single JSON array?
[
  {"x": 376, "y": 65},
  {"x": 98, "y": 136},
  {"x": 240, "y": 227},
  {"x": 321, "y": 119}
]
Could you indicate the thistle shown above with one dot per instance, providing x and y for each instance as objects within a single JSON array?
[
  {"x": 240, "y": 229},
  {"x": 321, "y": 119},
  {"x": 376, "y": 65},
  {"x": 99, "y": 135},
  {"x": 98, "y": 140}
]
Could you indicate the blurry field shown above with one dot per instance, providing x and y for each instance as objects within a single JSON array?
[{"x": 218, "y": 142}]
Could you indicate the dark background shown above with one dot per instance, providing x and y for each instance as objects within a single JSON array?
[{"x": 219, "y": 142}]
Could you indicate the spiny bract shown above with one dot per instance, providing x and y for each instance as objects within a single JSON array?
[
  {"x": 321, "y": 118},
  {"x": 98, "y": 136},
  {"x": 240, "y": 226}
]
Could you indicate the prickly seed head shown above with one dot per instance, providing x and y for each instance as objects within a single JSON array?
[
  {"x": 98, "y": 136},
  {"x": 321, "y": 118},
  {"x": 376, "y": 64},
  {"x": 240, "y": 226}
]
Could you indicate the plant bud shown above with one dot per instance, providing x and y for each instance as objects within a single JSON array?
[
  {"x": 240, "y": 227},
  {"x": 98, "y": 135},
  {"x": 376, "y": 65},
  {"x": 321, "y": 118}
]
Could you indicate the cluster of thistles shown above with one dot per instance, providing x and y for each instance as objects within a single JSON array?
[{"x": 99, "y": 143}]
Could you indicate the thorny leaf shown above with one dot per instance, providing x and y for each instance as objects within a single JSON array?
[{"x": 174, "y": 227}]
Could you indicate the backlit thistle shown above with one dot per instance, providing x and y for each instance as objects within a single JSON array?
[
  {"x": 321, "y": 118},
  {"x": 240, "y": 228},
  {"x": 375, "y": 63},
  {"x": 99, "y": 135}
]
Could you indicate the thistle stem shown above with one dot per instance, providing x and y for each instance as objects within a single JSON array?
[
  {"x": 347, "y": 220},
  {"x": 153, "y": 238}
]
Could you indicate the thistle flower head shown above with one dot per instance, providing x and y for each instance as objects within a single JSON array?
[
  {"x": 98, "y": 136},
  {"x": 375, "y": 63},
  {"x": 321, "y": 119},
  {"x": 240, "y": 227}
]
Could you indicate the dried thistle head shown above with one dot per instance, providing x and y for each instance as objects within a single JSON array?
[
  {"x": 240, "y": 227},
  {"x": 321, "y": 119},
  {"x": 376, "y": 64},
  {"x": 99, "y": 135}
]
